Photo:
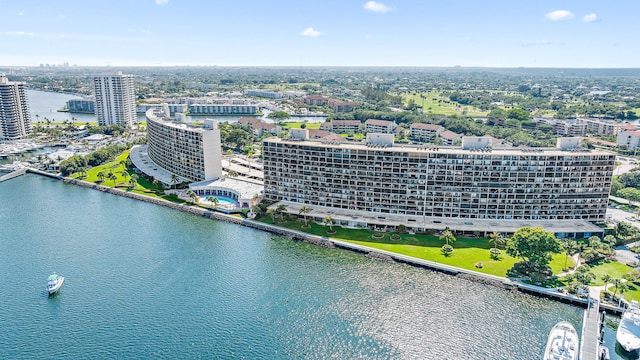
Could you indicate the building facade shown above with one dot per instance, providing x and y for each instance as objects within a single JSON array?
[
  {"x": 425, "y": 132},
  {"x": 115, "y": 99},
  {"x": 469, "y": 182},
  {"x": 222, "y": 109},
  {"x": 600, "y": 127},
  {"x": 194, "y": 153},
  {"x": 15, "y": 117},
  {"x": 84, "y": 106}
]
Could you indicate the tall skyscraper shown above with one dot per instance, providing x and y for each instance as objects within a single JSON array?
[
  {"x": 115, "y": 99},
  {"x": 15, "y": 118}
]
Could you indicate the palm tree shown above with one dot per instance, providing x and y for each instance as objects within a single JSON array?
[
  {"x": 113, "y": 178},
  {"x": 101, "y": 176},
  {"x": 304, "y": 210},
  {"x": 174, "y": 180},
  {"x": 570, "y": 248},
  {"x": 497, "y": 239},
  {"x": 272, "y": 213},
  {"x": 606, "y": 278},
  {"x": 123, "y": 163},
  {"x": 448, "y": 237},
  {"x": 193, "y": 197},
  {"x": 328, "y": 220},
  {"x": 280, "y": 211},
  {"x": 134, "y": 179},
  {"x": 124, "y": 174},
  {"x": 255, "y": 198},
  {"x": 215, "y": 201},
  {"x": 617, "y": 283}
]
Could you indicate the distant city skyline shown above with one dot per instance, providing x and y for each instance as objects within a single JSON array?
[{"x": 493, "y": 33}]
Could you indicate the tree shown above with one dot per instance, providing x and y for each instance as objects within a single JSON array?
[
  {"x": 570, "y": 248},
  {"x": 606, "y": 278},
  {"x": 534, "y": 245},
  {"x": 278, "y": 116},
  {"x": 304, "y": 210},
  {"x": 272, "y": 213},
  {"x": 280, "y": 210},
  {"x": 101, "y": 176},
  {"x": 448, "y": 237},
  {"x": 113, "y": 178},
  {"x": 124, "y": 174},
  {"x": 134, "y": 180},
  {"x": 174, "y": 180},
  {"x": 215, "y": 201},
  {"x": 497, "y": 240},
  {"x": 193, "y": 197},
  {"x": 328, "y": 220}
]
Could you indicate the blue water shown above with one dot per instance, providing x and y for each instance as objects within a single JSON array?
[{"x": 143, "y": 281}]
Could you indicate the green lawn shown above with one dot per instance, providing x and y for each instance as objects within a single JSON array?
[
  {"x": 615, "y": 269},
  {"x": 467, "y": 253},
  {"x": 436, "y": 104},
  {"x": 143, "y": 186},
  {"x": 297, "y": 124}
]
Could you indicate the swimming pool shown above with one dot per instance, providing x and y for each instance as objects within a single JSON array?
[{"x": 223, "y": 200}]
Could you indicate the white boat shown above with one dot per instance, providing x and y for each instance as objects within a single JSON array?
[
  {"x": 562, "y": 343},
  {"x": 54, "y": 283},
  {"x": 629, "y": 328}
]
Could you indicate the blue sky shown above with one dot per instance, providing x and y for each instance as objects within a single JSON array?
[{"x": 489, "y": 33}]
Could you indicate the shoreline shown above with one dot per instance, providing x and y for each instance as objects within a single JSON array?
[{"x": 376, "y": 254}]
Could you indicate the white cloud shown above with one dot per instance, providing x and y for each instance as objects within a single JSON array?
[
  {"x": 145, "y": 31},
  {"x": 20, "y": 13},
  {"x": 560, "y": 15},
  {"x": 590, "y": 18},
  {"x": 377, "y": 7},
  {"x": 19, "y": 33},
  {"x": 369, "y": 37},
  {"x": 537, "y": 43},
  {"x": 310, "y": 32},
  {"x": 162, "y": 2}
]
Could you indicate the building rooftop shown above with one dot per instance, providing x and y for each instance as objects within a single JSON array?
[
  {"x": 358, "y": 145},
  {"x": 245, "y": 189}
]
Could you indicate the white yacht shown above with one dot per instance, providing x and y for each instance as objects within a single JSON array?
[
  {"x": 629, "y": 329},
  {"x": 562, "y": 343},
  {"x": 54, "y": 283}
]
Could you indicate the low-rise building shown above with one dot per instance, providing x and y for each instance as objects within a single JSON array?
[
  {"x": 83, "y": 106},
  {"x": 600, "y": 127},
  {"x": 448, "y": 137},
  {"x": 258, "y": 127},
  {"x": 629, "y": 137},
  {"x": 425, "y": 132},
  {"x": 342, "y": 126},
  {"x": 380, "y": 126}
]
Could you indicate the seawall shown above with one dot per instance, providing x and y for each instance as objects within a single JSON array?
[{"x": 505, "y": 283}]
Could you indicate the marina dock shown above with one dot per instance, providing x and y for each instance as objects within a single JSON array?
[
  {"x": 13, "y": 174},
  {"x": 591, "y": 339}
]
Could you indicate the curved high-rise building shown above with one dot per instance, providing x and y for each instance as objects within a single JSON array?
[{"x": 15, "y": 118}]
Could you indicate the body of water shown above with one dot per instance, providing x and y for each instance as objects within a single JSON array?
[
  {"x": 145, "y": 281},
  {"x": 46, "y": 104}
]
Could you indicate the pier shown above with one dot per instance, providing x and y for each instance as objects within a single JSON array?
[
  {"x": 13, "y": 174},
  {"x": 591, "y": 337}
]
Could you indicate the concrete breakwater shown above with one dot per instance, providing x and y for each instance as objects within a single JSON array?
[{"x": 376, "y": 254}]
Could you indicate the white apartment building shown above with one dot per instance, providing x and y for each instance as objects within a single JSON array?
[
  {"x": 194, "y": 153},
  {"x": 380, "y": 126},
  {"x": 600, "y": 127},
  {"x": 425, "y": 132},
  {"x": 378, "y": 183},
  {"x": 629, "y": 137},
  {"x": 115, "y": 99},
  {"x": 15, "y": 117}
]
